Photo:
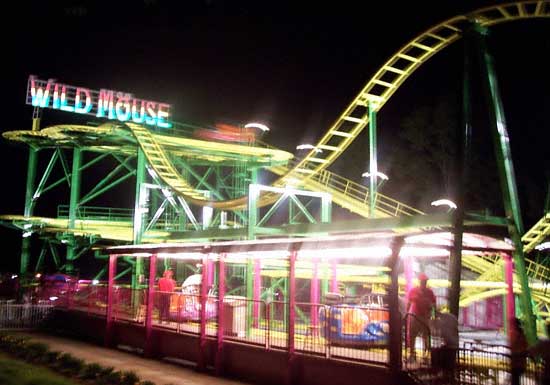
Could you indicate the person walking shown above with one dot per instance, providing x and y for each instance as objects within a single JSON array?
[
  {"x": 518, "y": 350},
  {"x": 420, "y": 306},
  {"x": 166, "y": 287}
]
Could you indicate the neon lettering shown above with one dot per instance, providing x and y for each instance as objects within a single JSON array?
[
  {"x": 78, "y": 108},
  {"x": 163, "y": 114},
  {"x": 56, "y": 102},
  {"x": 40, "y": 96},
  {"x": 105, "y": 103},
  {"x": 122, "y": 107},
  {"x": 138, "y": 118},
  {"x": 152, "y": 118},
  {"x": 64, "y": 103}
]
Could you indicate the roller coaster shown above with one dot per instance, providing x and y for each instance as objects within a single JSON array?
[{"x": 195, "y": 188}]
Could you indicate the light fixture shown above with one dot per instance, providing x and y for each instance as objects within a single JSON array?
[
  {"x": 446, "y": 202},
  {"x": 543, "y": 246},
  {"x": 379, "y": 174},
  {"x": 308, "y": 146},
  {"x": 261, "y": 126}
]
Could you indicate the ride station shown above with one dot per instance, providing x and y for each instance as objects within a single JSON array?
[{"x": 262, "y": 272}]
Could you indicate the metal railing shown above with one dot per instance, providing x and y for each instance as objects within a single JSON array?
[{"x": 23, "y": 316}]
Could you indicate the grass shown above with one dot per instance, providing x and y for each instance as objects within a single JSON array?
[{"x": 13, "y": 372}]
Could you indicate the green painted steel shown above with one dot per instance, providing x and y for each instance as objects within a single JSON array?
[
  {"x": 29, "y": 194},
  {"x": 73, "y": 207},
  {"x": 373, "y": 160},
  {"x": 507, "y": 180},
  {"x": 138, "y": 270}
]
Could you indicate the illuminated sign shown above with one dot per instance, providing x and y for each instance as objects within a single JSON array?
[{"x": 109, "y": 104}]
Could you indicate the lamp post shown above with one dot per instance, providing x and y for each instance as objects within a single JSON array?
[{"x": 374, "y": 187}]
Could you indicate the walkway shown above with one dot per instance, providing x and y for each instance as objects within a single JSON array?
[{"x": 161, "y": 373}]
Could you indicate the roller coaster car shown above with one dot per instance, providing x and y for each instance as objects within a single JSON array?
[
  {"x": 226, "y": 133},
  {"x": 186, "y": 306},
  {"x": 352, "y": 321}
]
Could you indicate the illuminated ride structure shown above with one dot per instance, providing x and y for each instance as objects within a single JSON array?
[{"x": 194, "y": 191}]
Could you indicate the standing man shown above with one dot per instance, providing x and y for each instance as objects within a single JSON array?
[
  {"x": 420, "y": 306},
  {"x": 166, "y": 287}
]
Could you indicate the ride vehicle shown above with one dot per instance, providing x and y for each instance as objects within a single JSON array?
[
  {"x": 357, "y": 322},
  {"x": 186, "y": 306}
]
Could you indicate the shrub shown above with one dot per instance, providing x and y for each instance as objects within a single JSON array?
[
  {"x": 111, "y": 378},
  {"x": 50, "y": 358},
  {"x": 129, "y": 378},
  {"x": 69, "y": 364},
  {"x": 35, "y": 351},
  {"x": 91, "y": 371}
]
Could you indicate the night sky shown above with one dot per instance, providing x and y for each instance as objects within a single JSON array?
[{"x": 294, "y": 67}]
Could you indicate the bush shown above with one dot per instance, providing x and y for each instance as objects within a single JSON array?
[
  {"x": 129, "y": 378},
  {"x": 68, "y": 364},
  {"x": 111, "y": 378},
  {"x": 50, "y": 358},
  {"x": 91, "y": 371},
  {"x": 35, "y": 351}
]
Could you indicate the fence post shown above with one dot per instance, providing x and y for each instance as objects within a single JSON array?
[
  {"x": 221, "y": 315},
  {"x": 110, "y": 301},
  {"x": 150, "y": 306},
  {"x": 201, "y": 364},
  {"x": 291, "y": 317}
]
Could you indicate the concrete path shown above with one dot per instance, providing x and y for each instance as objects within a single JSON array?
[{"x": 161, "y": 373}]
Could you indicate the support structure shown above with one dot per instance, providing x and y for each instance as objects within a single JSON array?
[
  {"x": 373, "y": 159},
  {"x": 507, "y": 176}
]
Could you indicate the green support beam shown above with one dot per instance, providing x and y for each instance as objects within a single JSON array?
[
  {"x": 73, "y": 207},
  {"x": 29, "y": 194},
  {"x": 138, "y": 217},
  {"x": 373, "y": 160},
  {"x": 507, "y": 176}
]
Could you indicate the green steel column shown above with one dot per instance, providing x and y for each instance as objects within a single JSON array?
[
  {"x": 253, "y": 211},
  {"x": 326, "y": 208},
  {"x": 249, "y": 294},
  {"x": 29, "y": 192},
  {"x": 373, "y": 161},
  {"x": 507, "y": 180},
  {"x": 138, "y": 217},
  {"x": 461, "y": 148},
  {"x": 73, "y": 207}
]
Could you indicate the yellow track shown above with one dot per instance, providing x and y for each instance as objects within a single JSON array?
[
  {"x": 536, "y": 234},
  {"x": 376, "y": 92}
]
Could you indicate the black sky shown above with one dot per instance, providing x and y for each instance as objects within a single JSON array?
[{"x": 293, "y": 65}]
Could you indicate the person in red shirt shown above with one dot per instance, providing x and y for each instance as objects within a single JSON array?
[
  {"x": 420, "y": 306},
  {"x": 166, "y": 287}
]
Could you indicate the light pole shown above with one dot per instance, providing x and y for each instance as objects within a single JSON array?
[{"x": 374, "y": 187}]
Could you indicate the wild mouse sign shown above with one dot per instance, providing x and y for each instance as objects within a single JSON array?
[{"x": 109, "y": 104}]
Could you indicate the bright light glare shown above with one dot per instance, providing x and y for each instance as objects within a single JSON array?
[
  {"x": 379, "y": 174},
  {"x": 13, "y": 276},
  {"x": 261, "y": 126},
  {"x": 53, "y": 298},
  {"x": 308, "y": 147},
  {"x": 27, "y": 234},
  {"x": 447, "y": 202},
  {"x": 95, "y": 282},
  {"x": 543, "y": 246},
  {"x": 38, "y": 275}
]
